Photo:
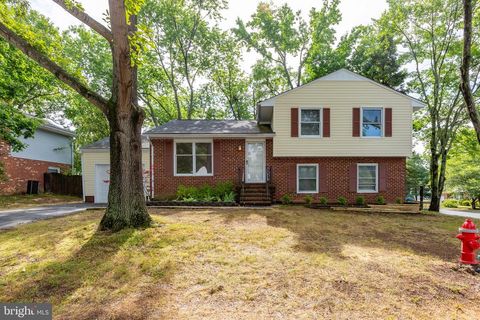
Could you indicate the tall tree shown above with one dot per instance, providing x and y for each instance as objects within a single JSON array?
[
  {"x": 464, "y": 166},
  {"x": 229, "y": 78},
  {"x": 428, "y": 30},
  {"x": 126, "y": 203},
  {"x": 181, "y": 40},
  {"x": 417, "y": 174},
  {"x": 286, "y": 41},
  {"x": 465, "y": 85}
]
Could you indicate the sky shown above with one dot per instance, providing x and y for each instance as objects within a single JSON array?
[{"x": 354, "y": 12}]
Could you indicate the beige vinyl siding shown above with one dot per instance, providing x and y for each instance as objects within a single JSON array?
[
  {"x": 92, "y": 157},
  {"x": 341, "y": 97}
]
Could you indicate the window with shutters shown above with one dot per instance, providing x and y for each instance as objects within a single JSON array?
[
  {"x": 193, "y": 158},
  {"x": 307, "y": 178},
  {"x": 367, "y": 177},
  {"x": 310, "y": 122},
  {"x": 372, "y": 122}
]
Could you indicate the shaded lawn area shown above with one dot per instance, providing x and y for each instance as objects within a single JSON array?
[
  {"x": 34, "y": 200},
  {"x": 287, "y": 262}
]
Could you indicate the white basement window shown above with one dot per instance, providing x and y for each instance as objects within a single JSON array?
[
  {"x": 307, "y": 178},
  {"x": 193, "y": 158},
  {"x": 372, "y": 122},
  {"x": 367, "y": 178},
  {"x": 53, "y": 170},
  {"x": 310, "y": 122}
]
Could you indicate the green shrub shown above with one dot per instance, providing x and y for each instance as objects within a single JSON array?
[
  {"x": 398, "y": 200},
  {"x": 308, "y": 199},
  {"x": 342, "y": 201},
  {"x": 229, "y": 197},
  {"x": 380, "y": 200},
  {"x": 222, "y": 188},
  {"x": 450, "y": 203},
  {"x": 207, "y": 193},
  {"x": 286, "y": 199},
  {"x": 360, "y": 200},
  {"x": 466, "y": 202},
  {"x": 323, "y": 201}
]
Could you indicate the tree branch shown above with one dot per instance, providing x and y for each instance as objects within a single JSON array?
[
  {"x": 54, "y": 68},
  {"x": 85, "y": 18}
]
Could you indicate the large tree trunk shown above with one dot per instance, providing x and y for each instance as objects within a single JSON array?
[
  {"x": 435, "y": 198},
  {"x": 126, "y": 198},
  {"x": 465, "y": 68}
]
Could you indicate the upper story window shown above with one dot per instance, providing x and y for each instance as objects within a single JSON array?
[
  {"x": 372, "y": 122},
  {"x": 193, "y": 158},
  {"x": 310, "y": 122},
  {"x": 367, "y": 178}
]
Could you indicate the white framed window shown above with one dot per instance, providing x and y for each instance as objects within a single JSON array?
[
  {"x": 307, "y": 178},
  {"x": 372, "y": 122},
  {"x": 367, "y": 178},
  {"x": 310, "y": 124},
  {"x": 193, "y": 158},
  {"x": 53, "y": 170}
]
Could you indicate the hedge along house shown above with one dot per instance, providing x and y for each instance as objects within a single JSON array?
[
  {"x": 96, "y": 169},
  {"x": 340, "y": 135}
]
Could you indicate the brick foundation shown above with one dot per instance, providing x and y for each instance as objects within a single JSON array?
[
  {"x": 231, "y": 158},
  {"x": 19, "y": 171}
]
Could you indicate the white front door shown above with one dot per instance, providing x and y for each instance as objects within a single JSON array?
[
  {"x": 255, "y": 162},
  {"x": 102, "y": 182}
]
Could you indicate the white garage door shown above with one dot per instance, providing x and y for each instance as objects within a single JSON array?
[{"x": 102, "y": 182}]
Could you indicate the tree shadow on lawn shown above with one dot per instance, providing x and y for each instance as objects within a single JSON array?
[{"x": 329, "y": 231}]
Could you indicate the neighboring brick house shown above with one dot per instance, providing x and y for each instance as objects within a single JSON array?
[
  {"x": 50, "y": 150},
  {"x": 340, "y": 135}
]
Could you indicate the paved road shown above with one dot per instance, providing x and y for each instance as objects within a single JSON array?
[
  {"x": 14, "y": 217},
  {"x": 459, "y": 213}
]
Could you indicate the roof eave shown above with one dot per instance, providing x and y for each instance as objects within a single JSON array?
[{"x": 211, "y": 135}]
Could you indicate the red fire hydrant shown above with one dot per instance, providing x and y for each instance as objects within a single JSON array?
[{"x": 469, "y": 237}]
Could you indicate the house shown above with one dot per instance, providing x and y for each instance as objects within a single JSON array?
[
  {"x": 339, "y": 135},
  {"x": 49, "y": 150},
  {"x": 96, "y": 169}
]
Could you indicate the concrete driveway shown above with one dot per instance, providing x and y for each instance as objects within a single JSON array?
[
  {"x": 14, "y": 217},
  {"x": 460, "y": 213}
]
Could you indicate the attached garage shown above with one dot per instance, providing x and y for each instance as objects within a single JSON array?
[{"x": 96, "y": 170}]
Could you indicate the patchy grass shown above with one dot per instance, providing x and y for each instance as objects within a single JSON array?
[
  {"x": 33, "y": 200},
  {"x": 287, "y": 262}
]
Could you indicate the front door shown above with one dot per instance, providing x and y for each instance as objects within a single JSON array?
[{"x": 255, "y": 162}]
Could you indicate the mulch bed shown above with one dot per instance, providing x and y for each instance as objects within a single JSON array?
[{"x": 171, "y": 203}]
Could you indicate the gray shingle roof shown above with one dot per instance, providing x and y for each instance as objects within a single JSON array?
[
  {"x": 105, "y": 144},
  {"x": 211, "y": 127}
]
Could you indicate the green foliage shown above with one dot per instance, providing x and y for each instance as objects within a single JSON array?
[
  {"x": 229, "y": 197},
  {"x": 323, "y": 201},
  {"x": 342, "y": 201},
  {"x": 398, "y": 200},
  {"x": 380, "y": 200},
  {"x": 279, "y": 35},
  {"x": 308, "y": 199},
  {"x": 465, "y": 202},
  {"x": 286, "y": 199},
  {"x": 463, "y": 172},
  {"x": 360, "y": 200},
  {"x": 222, "y": 191},
  {"x": 450, "y": 203},
  {"x": 417, "y": 174}
]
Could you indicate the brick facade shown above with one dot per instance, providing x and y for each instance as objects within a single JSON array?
[
  {"x": 229, "y": 157},
  {"x": 19, "y": 171}
]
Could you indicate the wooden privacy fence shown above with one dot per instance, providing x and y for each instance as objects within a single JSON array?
[{"x": 61, "y": 184}]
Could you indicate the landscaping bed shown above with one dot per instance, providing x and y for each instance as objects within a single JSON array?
[{"x": 177, "y": 203}]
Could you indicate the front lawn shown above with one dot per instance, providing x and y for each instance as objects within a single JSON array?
[
  {"x": 285, "y": 262},
  {"x": 33, "y": 200}
]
